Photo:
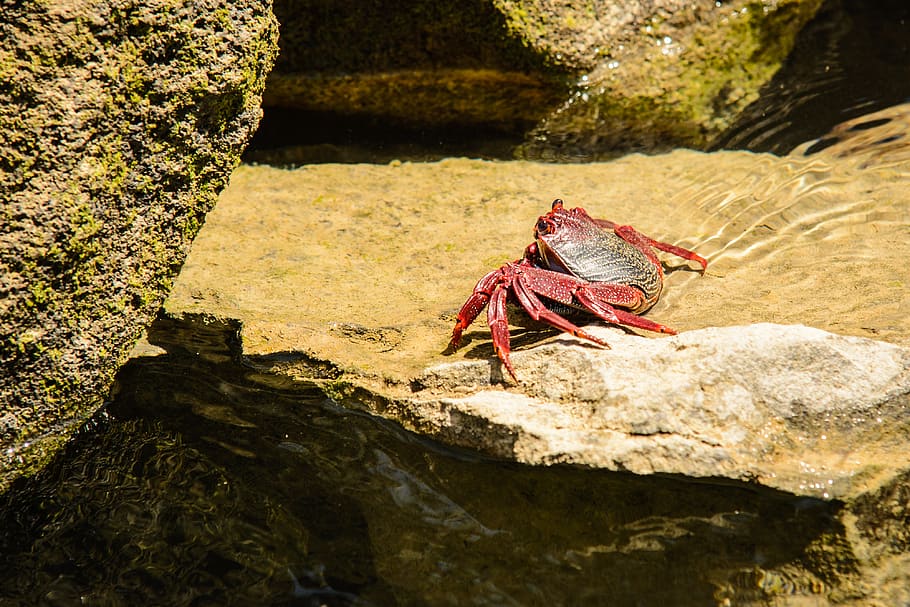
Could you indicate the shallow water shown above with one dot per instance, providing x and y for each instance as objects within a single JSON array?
[
  {"x": 852, "y": 59},
  {"x": 205, "y": 483}
]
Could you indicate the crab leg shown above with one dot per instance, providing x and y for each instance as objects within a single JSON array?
[
  {"x": 617, "y": 316},
  {"x": 499, "y": 327},
  {"x": 634, "y": 320},
  {"x": 538, "y": 311},
  {"x": 475, "y": 304},
  {"x": 598, "y": 298},
  {"x": 628, "y": 233},
  {"x": 633, "y": 236}
]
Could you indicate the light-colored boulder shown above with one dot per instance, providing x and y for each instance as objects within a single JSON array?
[{"x": 790, "y": 407}]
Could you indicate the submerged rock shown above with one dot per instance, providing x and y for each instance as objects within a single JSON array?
[{"x": 121, "y": 123}]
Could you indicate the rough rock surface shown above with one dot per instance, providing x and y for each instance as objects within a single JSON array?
[
  {"x": 683, "y": 82},
  {"x": 120, "y": 122},
  {"x": 351, "y": 275},
  {"x": 649, "y": 74},
  {"x": 790, "y": 407}
]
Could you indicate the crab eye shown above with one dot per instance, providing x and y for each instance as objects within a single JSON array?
[{"x": 543, "y": 227}]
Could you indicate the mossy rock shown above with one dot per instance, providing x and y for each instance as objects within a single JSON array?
[
  {"x": 581, "y": 80},
  {"x": 122, "y": 121},
  {"x": 681, "y": 83}
]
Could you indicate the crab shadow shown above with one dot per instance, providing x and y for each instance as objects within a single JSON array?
[{"x": 479, "y": 345}]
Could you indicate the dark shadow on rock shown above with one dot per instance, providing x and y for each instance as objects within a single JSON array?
[
  {"x": 189, "y": 467},
  {"x": 245, "y": 491}
]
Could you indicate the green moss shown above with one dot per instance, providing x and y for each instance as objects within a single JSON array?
[
  {"x": 526, "y": 24},
  {"x": 28, "y": 341},
  {"x": 190, "y": 228},
  {"x": 32, "y": 457},
  {"x": 223, "y": 17},
  {"x": 66, "y": 268},
  {"x": 113, "y": 168},
  {"x": 41, "y": 294},
  {"x": 8, "y": 65},
  {"x": 117, "y": 305}
]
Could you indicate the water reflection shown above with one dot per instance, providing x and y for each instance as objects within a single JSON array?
[
  {"x": 817, "y": 237},
  {"x": 201, "y": 484},
  {"x": 852, "y": 59}
]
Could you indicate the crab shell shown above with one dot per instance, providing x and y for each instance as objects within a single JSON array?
[{"x": 572, "y": 242}]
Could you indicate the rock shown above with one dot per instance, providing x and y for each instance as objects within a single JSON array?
[
  {"x": 784, "y": 406},
  {"x": 121, "y": 123},
  {"x": 678, "y": 76},
  {"x": 419, "y": 64},
  {"x": 351, "y": 276},
  {"x": 595, "y": 80}
]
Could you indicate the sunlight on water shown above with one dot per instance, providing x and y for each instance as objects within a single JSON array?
[{"x": 818, "y": 237}]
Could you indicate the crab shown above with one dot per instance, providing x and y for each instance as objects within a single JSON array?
[{"x": 576, "y": 262}]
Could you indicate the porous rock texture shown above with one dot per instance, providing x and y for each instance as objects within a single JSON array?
[
  {"x": 787, "y": 406},
  {"x": 120, "y": 122}
]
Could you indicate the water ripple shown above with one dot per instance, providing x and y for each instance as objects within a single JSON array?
[{"x": 818, "y": 237}]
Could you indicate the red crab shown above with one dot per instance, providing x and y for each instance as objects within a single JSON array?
[{"x": 575, "y": 260}]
